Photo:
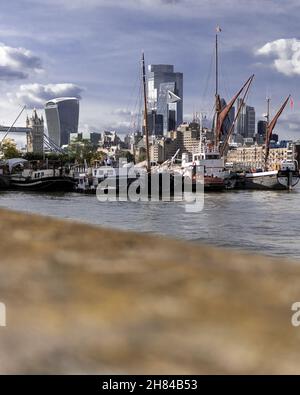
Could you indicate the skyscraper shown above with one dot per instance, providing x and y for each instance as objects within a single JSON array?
[
  {"x": 261, "y": 132},
  {"x": 250, "y": 116},
  {"x": 62, "y": 116},
  {"x": 165, "y": 94},
  {"x": 245, "y": 120}
]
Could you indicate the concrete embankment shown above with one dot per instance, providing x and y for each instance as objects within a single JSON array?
[{"x": 85, "y": 300}]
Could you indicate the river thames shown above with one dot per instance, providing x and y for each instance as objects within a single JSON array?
[{"x": 265, "y": 222}]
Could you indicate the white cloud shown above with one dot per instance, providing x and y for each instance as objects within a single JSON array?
[
  {"x": 17, "y": 63},
  {"x": 286, "y": 54},
  {"x": 122, "y": 112},
  {"x": 35, "y": 95}
]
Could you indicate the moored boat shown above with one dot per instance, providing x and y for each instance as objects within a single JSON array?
[
  {"x": 284, "y": 179},
  {"x": 26, "y": 176}
]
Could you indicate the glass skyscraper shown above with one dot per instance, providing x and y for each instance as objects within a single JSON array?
[
  {"x": 62, "y": 115},
  {"x": 165, "y": 94},
  {"x": 246, "y": 120}
]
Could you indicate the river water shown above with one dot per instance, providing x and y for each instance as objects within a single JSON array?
[{"x": 266, "y": 222}]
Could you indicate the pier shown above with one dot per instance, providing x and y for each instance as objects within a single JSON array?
[{"x": 81, "y": 299}]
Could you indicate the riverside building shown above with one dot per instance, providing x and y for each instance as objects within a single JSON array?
[{"x": 253, "y": 156}]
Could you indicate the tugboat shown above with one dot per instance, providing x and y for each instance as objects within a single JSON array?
[{"x": 26, "y": 176}]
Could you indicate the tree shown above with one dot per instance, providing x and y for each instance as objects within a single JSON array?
[
  {"x": 33, "y": 156},
  {"x": 126, "y": 154},
  {"x": 142, "y": 155},
  {"x": 129, "y": 156},
  {"x": 9, "y": 149},
  {"x": 83, "y": 149},
  {"x": 99, "y": 155}
]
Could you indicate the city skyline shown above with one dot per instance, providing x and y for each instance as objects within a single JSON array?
[{"x": 48, "y": 52}]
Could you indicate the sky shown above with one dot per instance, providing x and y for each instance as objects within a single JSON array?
[{"x": 91, "y": 49}]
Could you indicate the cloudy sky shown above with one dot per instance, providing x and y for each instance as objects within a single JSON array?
[{"x": 91, "y": 49}]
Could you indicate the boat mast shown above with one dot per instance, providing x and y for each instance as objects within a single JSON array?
[
  {"x": 217, "y": 98},
  {"x": 268, "y": 110},
  {"x": 217, "y": 61},
  {"x": 146, "y": 113}
]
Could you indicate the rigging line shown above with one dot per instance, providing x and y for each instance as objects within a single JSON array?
[
  {"x": 132, "y": 92},
  {"x": 225, "y": 84},
  {"x": 140, "y": 108},
  {"x": 224, "y": 74},
  {"x": 134, "y": 111},
  {"x": 208, "y": 78},
  {"x": 136, "y": 104},
  {"x": 9, "y": 129}
]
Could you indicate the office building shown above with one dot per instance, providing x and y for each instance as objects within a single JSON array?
[
  {"x": 165, "y": 94},
  {"x": 95, "y": 138},
  {"x": 62, "y": 115},
  {"x": 250, "y": 116},
  {"x": 245, "y": 125},
  {"x": 155, "y": 123},
  {"x": 262, "y": 127},
  {"x": 261, "y": 132}
]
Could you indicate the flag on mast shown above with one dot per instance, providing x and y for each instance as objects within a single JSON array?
[{"x": 218, "y": 29}]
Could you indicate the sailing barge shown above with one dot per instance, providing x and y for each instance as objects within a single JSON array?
[{"x": 286, "y": 178}]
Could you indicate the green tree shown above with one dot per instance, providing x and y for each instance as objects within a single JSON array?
[
  {"x": 33, "y": 156},
  {"x": 126, "y": 154},
  {"x": 129, "y": 156},
  {"x": 98, "y": 155},
  {"x": 9, "y": 149},
  {"x": 143, "y": 155}
]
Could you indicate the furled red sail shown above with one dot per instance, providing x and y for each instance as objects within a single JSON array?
[
  {"x": 225, "y": 111},
  {"x": 272, "y": 124},
  {"x": 271, "y": 127}
]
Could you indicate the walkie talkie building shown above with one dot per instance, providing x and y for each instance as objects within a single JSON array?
[{"x": 62, "y": 115}]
